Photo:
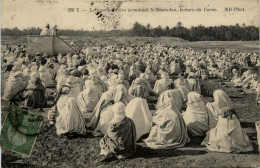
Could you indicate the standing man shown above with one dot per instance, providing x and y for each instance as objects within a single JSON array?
[{"x": 54, "y": 31}]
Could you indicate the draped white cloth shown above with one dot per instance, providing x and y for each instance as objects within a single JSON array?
[
  {"x": 169, "y": 130},
  {"x": 118, "y": 94},
  {"x": 194, "y": 85},
  {"x": 161, "y": 85},
  {"x": 70, "y": 118},
  {"x": 183, "y": 86},
  {"x": 137, "y": 109},
  {"x": 221, "y": 101},
  {"x": 228, "y": 137},
  {"x": 46, "y": 79},
  {"x": 12, "y": 87},
  {"x": 196, "y": 115},
  {"x": 75, "y": 90},
  {"x": 88, "y": 99},
  {"x": 61, "y": 80},
  {"x": 173, "y": 94}
]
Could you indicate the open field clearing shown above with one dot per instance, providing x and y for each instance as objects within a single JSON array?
[{"x": 249, "y": 46}]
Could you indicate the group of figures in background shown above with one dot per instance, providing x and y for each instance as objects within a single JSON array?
[
  {"x": 143, "y": 92},
  {"x": 47, "y": 31}
]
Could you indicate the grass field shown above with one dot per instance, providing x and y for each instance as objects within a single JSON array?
[{"x": 249, "y": 46}]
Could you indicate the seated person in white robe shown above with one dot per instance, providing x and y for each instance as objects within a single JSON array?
[
  {"x": 61, "y": 80},
  {"x": 161, "y": 84},
  {"x": 183, "y": 85},
  {"x": 193, "y": 83},
  {"x": 221, "y": 100},
  {"x": 243, "y": 78},
  {"x": 88, "y": 98},
  {"x": 134, "y": 73},
  {"x": 225, "y": 74},
  {"x": 60, "y": 69},
  {"x": 146, "y": 83},
  {"x": 121, "y": 80},
  {"x": 175, "y": 68},
  {"x": 137, "y": 110},
  {"x": 98, "y": 82},
  {"x": 196, "y": 115},
  {"x": 45, "y": 77},
  {"x": 150, "y": 76},
  {"x": 253, "y": 83},
  {"x": 169, "y": 130},
  {"x": 228, "y": 135},
  {"x": 120, "y": 138},
  {"x": 247, "y": 81},
  {"x": 70, "y": 119},
  {"x": 72, "y": 83},
  {"x": 173, "y": 94},
  {"x": 103, "y": 113},
  {"x": 14, "y": 85},
  {"x": 234, "y": 75},
  {"x": 120, "y": 95}
]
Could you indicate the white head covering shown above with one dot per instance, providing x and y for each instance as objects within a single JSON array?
[
  {"x": 121, "y": 92},
  {"x": 89, "y": 82},
  {"x": 18, "y": 74},
  {"x": 65, "y": 90},
  {"x": 71, "y": 81},
  {"x": 42, "y": 69},
  {"x": 34, "y": 74},
  {"x": 193, "y": 97},
  {"x": 119, "y": 112},
  {"x": 165, "y": 75},
  {"x": 112, "y": 83},
  {"x": 221, "y": 100}
]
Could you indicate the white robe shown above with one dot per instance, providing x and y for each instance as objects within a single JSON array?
[
  {"x": 169, "y": 130},
  {"x": 46, "y": 79},
  {"x": 196, "y": 118},
  {"x": 161, "y": 85},
  {"x": 12, "y": 87},
  {"x": 70, "y": 118},
  {"x": 88, "y": 99},
  {"x": 61, "y": 80},
  {"x": 228, "y": 137},
  {"x": 138, "y": 110},
  {"x": 173, "y": 94}
]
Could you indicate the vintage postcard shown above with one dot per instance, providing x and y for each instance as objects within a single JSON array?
[{"x": 130, "y": 83}]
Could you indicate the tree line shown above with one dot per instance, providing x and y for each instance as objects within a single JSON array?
[{"x": 195, "y": 33}]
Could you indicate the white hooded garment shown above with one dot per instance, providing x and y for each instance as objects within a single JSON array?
[
  {"x": 137, "y": 109},
  {"x": 196, "y": 115},
  {"x": 169, "y": 130},
  {"x": 14, "y": 85},
  {"x": 173, "y": 94},
  {"x": 227, "y": 136},
  {"x": 88, "y": 99},
  {"x": 161, "y": 85},
  {"x": 45, "y": 77},
  {"x": 70, "y": 118}
]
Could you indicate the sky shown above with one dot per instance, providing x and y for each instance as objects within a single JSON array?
[{"x": 37, "y": 13}]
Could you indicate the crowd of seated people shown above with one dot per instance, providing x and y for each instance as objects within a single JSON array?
[{"x": 149, "y": 93}]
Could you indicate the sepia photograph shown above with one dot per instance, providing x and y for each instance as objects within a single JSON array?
[{"x": 130, "y": 83}]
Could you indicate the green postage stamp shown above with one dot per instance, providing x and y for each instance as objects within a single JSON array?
[{"x": 19, "y": 130}]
